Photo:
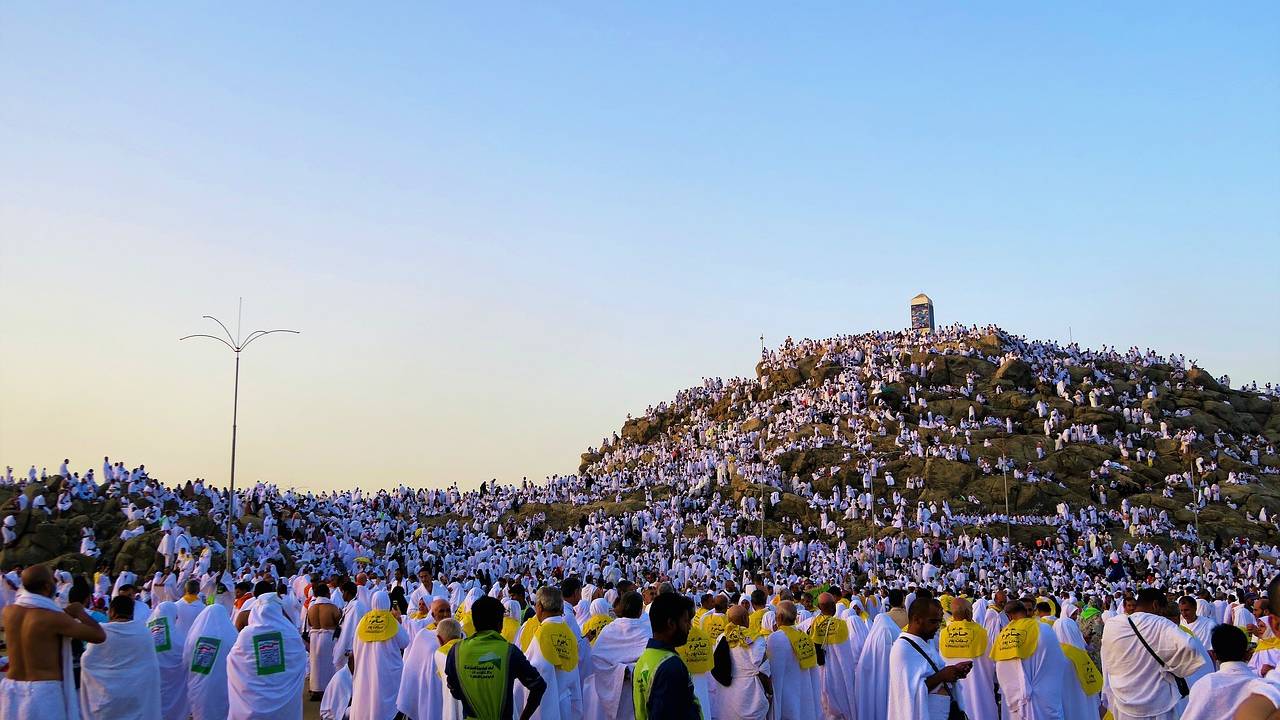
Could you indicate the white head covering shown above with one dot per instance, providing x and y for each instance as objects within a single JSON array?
[
  {"x": 600, "y": 606},
  {"x": 211, "y": 635},
  {"x": 268, "y": 641}
]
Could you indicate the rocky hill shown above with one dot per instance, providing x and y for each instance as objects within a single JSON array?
[{"x": 826, "y": 414}]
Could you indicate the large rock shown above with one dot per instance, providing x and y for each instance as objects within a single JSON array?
[{"x": 1015, "y": 371}]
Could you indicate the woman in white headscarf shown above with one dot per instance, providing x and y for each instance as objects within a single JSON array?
[
  {"x": 379, "y": 642},
  {"x": 170, "y": 640},
  {"x": 266, "y": 666},
  {"x": 205, "y": 659},
  {"x": 583, "y": 609}
]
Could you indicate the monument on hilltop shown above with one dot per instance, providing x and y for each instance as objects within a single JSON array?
[{"x": 922, "y": 313}]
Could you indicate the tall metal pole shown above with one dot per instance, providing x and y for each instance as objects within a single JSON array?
[
  {"x": 237, "y": 346},
  {"x": 1008, "y": 534},
  {"x": 231, "y": 494}
]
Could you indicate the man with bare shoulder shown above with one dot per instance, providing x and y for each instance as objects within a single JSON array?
[
  {"x": 39, "y": 682},
  {"x": 323, "y": 618}
]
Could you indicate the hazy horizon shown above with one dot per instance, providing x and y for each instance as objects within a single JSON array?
[{"x": 501, "y": 229}]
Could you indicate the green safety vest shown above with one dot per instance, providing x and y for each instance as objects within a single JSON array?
[
  {"x": 642, "y": 682},
  {"x": 482, "y": 664}
]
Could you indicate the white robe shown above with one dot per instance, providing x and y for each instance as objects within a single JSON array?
[
  {"x": 744, "y": 699},
  {"x": 165, "y": 628},
  {"x": 1218, "y": 694},
  {"x": 207, "y": 691},
  {"x": 977, "y": 689},
  {"x": 450, "y": 708},
  {"x": 1032, "y": 688},
  {"x": 337, "y": 696},
  {"x": 421, "y": 690},
  {"x": 1076, "y": 705},
  {"x": 563, "y": 698},
  {"x": 376, "y": 681},
  {"x": 909, "y": 696},
  {"x": 606, "y": 687},
  {"x": 266, "y": 666},
  {"x": 1136, "y": 684},
  {"x": 796, "y": 691},
  {"x": 120, "y": 678},
  {"x": 871, "y": 692},
  {"x": 351, "y": 614}
]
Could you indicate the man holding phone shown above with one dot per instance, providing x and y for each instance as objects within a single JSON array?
[{"x": 921, "y": 683}]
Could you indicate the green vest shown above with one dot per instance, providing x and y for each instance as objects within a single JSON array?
[
  {"x": 482, "y": 663},
  {"x": 642, "y": 682}
]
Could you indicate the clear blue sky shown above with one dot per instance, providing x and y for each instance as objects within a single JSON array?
[{"x": 501, "y": 229}]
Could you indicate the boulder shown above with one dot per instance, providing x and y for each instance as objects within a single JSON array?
[{"x": 1015, "y": 371}]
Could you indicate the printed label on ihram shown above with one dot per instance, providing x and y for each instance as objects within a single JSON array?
[
  {"x": 205, "y": 654},
  {"x": 268, "y": 653},
  {"x": 160, "y": 634}
]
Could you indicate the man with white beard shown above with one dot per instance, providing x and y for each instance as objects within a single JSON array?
[{"x": 606, "y": 690}]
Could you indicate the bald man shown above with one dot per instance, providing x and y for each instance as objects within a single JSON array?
[
  {"x": 963, "y": 640},
  {"x": 38, "y": 632},
  {"x": 741, "y": 657},
  {"x": 830, "y": 632}
]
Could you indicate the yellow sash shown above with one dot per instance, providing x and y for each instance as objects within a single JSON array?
[
  {"x": 713, "y": 624},
  {"x": 1017, "y": 641},
  {"x": 1086, "y": 672},
  {"x": 444, "y": 649},
  {"x": 558, "y": 645},
  {"x": 190, "y": 598},
  {"x": 594, "y": 625},
  {"x": 527, "y": 631},
  {"x": 802, "y": 646},
  {"x": 377, "y": 625},
  {"x": 1053, "y": 606},
  {"x": 696, "y": 652},
  {"x": 754, "y": 620},
  {"x": 697, "y": 614},
  {"x": 510, "y": 626},
  {"x": 962, "y": 639},
  {"x": 1271, "y": 643},
  {"x": 737, "y": 636},
  {"x": 464, "y": 618},
  {"x": 829, "y": 630}
]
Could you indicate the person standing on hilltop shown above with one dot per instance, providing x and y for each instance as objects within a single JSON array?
[{"x": 39, "y": 683}]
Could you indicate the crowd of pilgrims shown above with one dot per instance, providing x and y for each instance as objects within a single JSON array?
[{"x": 660, "y": 512}]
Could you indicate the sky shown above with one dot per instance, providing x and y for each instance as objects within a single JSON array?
[{"x": 501, "y": 227}]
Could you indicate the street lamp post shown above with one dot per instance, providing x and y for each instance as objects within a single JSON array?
[
  {"x": 237, "y": 346},
  {"x": 1004, "y": 468}
]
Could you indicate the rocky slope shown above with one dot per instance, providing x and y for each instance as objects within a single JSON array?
[{"x": 788, "y": 405}]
